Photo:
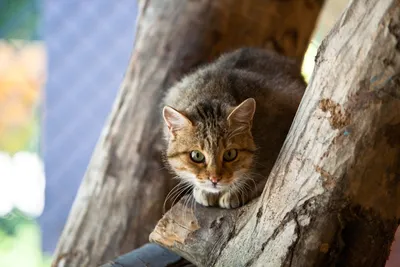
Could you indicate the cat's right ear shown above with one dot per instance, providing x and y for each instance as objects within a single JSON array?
[
  {"x": 243, "y": 113},
  {"x": 175, "y": 120}
]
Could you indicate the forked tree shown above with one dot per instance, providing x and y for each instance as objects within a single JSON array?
[{"x": 332, "y": 197}]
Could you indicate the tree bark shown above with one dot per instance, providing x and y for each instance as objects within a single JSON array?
[
  {"x": 122, "y": 194},
  {"x": 333, "y": 196}
]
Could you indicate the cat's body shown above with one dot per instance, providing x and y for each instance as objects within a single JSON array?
[{"x": 228, "y": 160}]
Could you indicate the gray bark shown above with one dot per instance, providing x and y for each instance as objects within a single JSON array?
[
  {"x": 122, "y": 194},
  {"x": 333, "y": 196}
]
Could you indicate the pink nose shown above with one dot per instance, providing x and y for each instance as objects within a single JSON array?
[{"x": 214, "y": 179}]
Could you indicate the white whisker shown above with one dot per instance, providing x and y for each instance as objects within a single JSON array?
[
  {"x": 249, "y": 178},
  {"x": 175, "y": 192},
  {"x": 186, "y": 187},
  {"x": 186, "y": 204}
]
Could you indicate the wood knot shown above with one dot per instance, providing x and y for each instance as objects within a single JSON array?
[
  {"x": 339, "y": 118},
  {"x": 329, "y": 181}
]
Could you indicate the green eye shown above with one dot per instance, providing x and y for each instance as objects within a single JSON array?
[
  {"x": 197, "y": 156},
  {"x": 230, "y": 155}
]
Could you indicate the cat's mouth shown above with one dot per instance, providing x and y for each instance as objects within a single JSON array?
[{"x": 212, "y": 188}]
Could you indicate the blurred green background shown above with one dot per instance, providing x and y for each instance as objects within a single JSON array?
[{"x": 22, "y": 64}]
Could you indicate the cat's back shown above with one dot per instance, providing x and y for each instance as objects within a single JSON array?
[
  {"x": 274, "y": 81},
  {"x": 235, "y": 76},
  {"x": 265, "y": 62}
]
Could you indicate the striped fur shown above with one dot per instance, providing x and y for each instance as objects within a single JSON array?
[{"x": 200, "y": 105}]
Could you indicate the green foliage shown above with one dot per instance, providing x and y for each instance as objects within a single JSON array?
[
  {"x": 10, "y": 221},
  {"x": 19, "y": 19},
  {"x": 20, "y": 242}
]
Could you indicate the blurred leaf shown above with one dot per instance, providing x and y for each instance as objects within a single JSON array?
[
  {"x": 22, "y": 249},
  {"x": 15, "y": 140},
  {"x": 19, "y": 19},
  {"x": 9, "y": 222}
]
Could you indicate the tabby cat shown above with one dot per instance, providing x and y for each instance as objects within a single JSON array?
[{"x": 226, "y": 122}]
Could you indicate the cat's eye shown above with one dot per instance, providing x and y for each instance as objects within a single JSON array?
[
  {"x": 230, "y": 155},
  {"x": 197, "y": 156}
]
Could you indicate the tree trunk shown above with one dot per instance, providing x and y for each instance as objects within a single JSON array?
[
  {"x": 121, "y": 197},
  {"x": 333, "y": 196}
]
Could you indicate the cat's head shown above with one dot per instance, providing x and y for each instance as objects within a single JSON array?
[{"x": 211, "y": 147}]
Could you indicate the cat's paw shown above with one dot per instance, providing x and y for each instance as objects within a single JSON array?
[
  {"x": 229, "y": 200},
  {"x": 204, "y": 198}
]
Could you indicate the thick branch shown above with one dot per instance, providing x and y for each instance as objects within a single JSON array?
[
  {"x": 123, "y": 191},
  {"x": 333, "y": 197}
]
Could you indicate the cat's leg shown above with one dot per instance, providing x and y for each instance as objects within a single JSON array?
[
  {"x": 205, "y": 198},
  {"x": 232, "y": 199}
]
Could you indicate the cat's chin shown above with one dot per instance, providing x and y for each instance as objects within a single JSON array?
[{"x": 211, "y": 189}]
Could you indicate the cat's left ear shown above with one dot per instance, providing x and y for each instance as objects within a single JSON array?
[
  {"x": 175, "y": 120},
  {"x": 243, "y": 114}
]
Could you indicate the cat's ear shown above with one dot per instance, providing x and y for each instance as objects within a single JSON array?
[
  {"x": 175, "y": 120},
  {"x": 243, "y": 114}
]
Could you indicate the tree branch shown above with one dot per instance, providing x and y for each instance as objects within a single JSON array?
[
  {"x": 333, "y": 196},
  {"x": 122, "y": 194}
]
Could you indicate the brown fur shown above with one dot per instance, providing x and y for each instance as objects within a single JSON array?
[{"x": 212, "y": 111}]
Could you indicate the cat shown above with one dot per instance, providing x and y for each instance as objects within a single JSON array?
[{"x": 226, "y": 122}]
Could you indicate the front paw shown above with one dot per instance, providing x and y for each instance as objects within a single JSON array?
[
  {"x": 204, "y": 198},
  {"x": 230, "y": 200}
]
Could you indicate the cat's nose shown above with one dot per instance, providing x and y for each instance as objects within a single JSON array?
[{"x": 214, "y": 180}]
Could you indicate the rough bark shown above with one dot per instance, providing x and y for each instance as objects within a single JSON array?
[
  {"x": 121, "y": 197},
  {"x": 333, "y": 196}
]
